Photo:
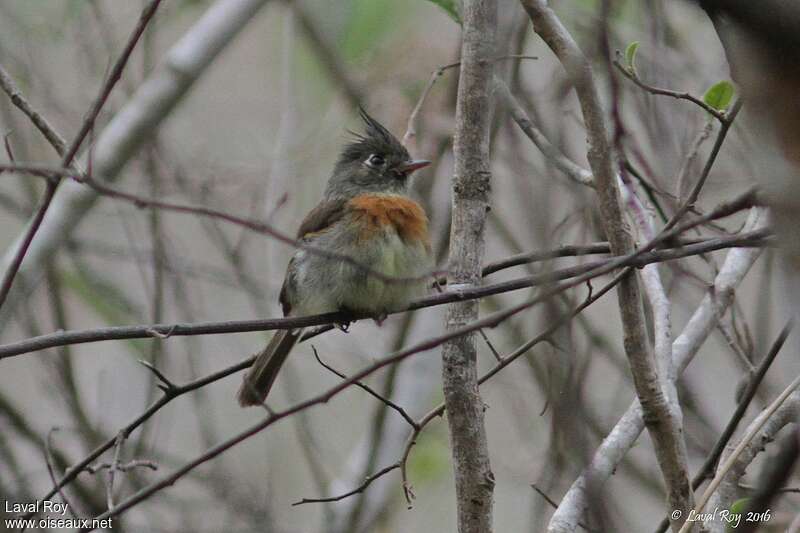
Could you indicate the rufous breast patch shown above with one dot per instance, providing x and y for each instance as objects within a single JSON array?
[{"x": 375, "y": 211}]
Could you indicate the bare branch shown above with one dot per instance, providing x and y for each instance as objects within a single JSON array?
[
  {"x": 634, "y": 77},
  {"x": 369, "y": 390},
  {"x": 662, "y": 424},
  {"x": 550, "y": 501},
  {"x": 131, "y": 126},
  {"x": 123, "y": 467},
  {"x": 694, "y": 194},
  {"x": 41, "y": 123},
  {"x": 411, "y": 128},
  {"x": 470, "y": 187},
  {"x": 553, "y": 154},
  {"x": 747, "y": 396},
  {"x": 69, "y": 153},
  {"x": 361, "y": 488},
  {"x": 580, "y": 273},
  {"x": 48, "y": 457},
  {"x": 624, "y": 434},
  {"x": 771, "y": 420}
]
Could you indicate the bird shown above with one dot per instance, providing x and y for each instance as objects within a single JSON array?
[{"x": 367, "y": 215}]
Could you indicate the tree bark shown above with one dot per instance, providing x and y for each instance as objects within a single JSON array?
[{"x": 470, "y": 196}]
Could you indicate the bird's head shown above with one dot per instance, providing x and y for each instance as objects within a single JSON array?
[{"x": 375, "y": 162}]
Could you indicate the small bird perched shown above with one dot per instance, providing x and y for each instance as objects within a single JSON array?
[{"x": 367, "y": 215}]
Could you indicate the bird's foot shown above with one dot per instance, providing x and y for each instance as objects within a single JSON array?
[
  {"x": 343, "y": 326},
  {"x": 379, "y": 319},
  {"x": 439, "y": 284}
]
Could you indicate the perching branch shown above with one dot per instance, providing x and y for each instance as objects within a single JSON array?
[{"x": 163, "y": 331}]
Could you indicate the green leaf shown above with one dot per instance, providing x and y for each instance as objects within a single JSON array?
[
  {"x": 429, "y": 459},
  {"x": 740, "y": 506},
  {"x": 719, "y": 95},
  {"x": 630, "y": 55},
  {"x": 368, "y": 23},
  {"x": 450, "y": 7}
]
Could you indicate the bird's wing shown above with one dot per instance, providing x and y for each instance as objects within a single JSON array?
[
  {"x": 319, "y": 219},
  {"x": 322, "y": 217}
]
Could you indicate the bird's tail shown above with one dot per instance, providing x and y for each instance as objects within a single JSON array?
[{"x": 259, "y": 379}]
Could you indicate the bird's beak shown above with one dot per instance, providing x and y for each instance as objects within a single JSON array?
[{"x": 410, "y": 166}]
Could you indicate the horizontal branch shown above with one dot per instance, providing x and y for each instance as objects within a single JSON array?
[
  {"x": 569, "y": 250},
  {"x": 417, "y": 427},
  {"x": 173, "y": 392},
  {"x": 162, "y": 331}
]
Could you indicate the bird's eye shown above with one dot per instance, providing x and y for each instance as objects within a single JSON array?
[{"x": 376, "y": 160}]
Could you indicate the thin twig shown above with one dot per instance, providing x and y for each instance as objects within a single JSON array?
[
  {"x": 113, "y": 470},
  {"x": 554, "y": 504},
  {"x": 48, "y": 457},
  {"x": 368, "y": 389},
  {"x": 124, "y": 467},
  {"x": 439, "y": 410},
  {"x": 632, "y": 75},
  {"x": 754, "y": 428},
  {"x": 411, "y": 128},
  {"x": 741, "y": 408},
  {"x": 41, "y": 123},
  {"x": 688, "y": 204},
  {"x": 361, "y": 488},
  {"x": 72, "y": 149},
  {"x": 491, "y": 346},
  {"x": 553, "y": 154}
]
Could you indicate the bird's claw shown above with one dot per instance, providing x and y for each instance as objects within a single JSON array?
[{"x": 379, "y": 319}]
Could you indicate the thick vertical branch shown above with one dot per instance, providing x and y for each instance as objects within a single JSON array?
[
  {"x": 471, "y": 184},
  {"x": 662, "y": 424}
]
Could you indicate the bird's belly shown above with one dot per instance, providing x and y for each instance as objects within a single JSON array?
[{"x": 328, "y": 284}]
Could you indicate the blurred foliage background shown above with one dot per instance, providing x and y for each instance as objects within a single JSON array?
[{"x": 257, "y": 137}]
